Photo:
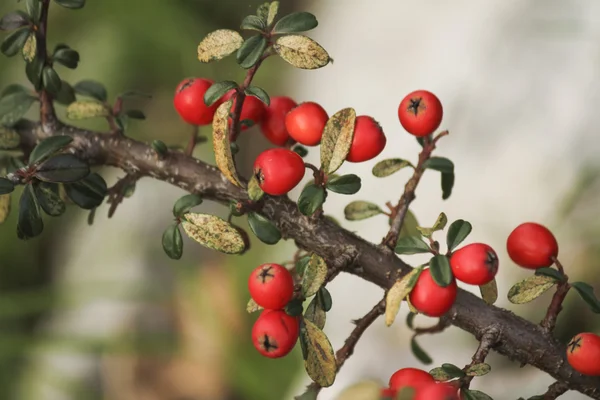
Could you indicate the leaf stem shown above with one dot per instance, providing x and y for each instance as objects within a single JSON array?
[
  {"x": 562, "y": 289},
  {"x": 189, "y": 150}
]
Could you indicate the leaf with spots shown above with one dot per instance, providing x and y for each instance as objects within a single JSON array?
[
  {"x": 272, "y": 13},
  {"x": 49, "y": 199},
  {"x": 255, "y": 193},
  {"x": 453, "y": 371},
  {"x": 214, "y": 233},
  {"x": 439, "y": 374},
  {"x": 489, "y": 292},
  {"x": 30, "y": 48},
  {"x": 315, "y": 313},
  {"x": 388, "y": 167},
  {"x": 320, "y": 361},
  {"x": 478, "y": 369},
  {"x": 398, "y": 292},
  {"x": 530, "y": 289},
  {"x": 358, "y": 210},
  {"x": 221, "y": 144},
  {"x": 252, "y": 306},
  {"x": 301, "y": 52},
  {"x": 409, "y": 226},
  {"x": 314, "y": 275},
  {"x": 219, "y": 44},
  {"x": 85, "y": 109},
  {"x": 9, "y": 138},
  {"x": 337, "y": 139}
]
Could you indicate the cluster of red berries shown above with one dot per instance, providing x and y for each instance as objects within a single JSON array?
[
  {"x": 422, "y": 383},
  {"x": 274, "y": 333}
]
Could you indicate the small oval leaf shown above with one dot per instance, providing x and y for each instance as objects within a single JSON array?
[
  {"x": 13, "y": 20},
  {"x": 359, "y": 210},
  {"x": 478, "y": 369},
  {"x": 47, "y": 147},
  {"x": 457, "y": 232},
  {"x": 217, "y": 90},
  {"x": 311, "y": 199},
  {"x": 172, "y": 242},
  {"x": 255, "y": 193},
  {"x": 411, "y": 245},
  {"x": 470, "y": 394},
  {"x": 252, "y": 306},
  {"x": 388, "y": 167},
  {"x": 14, "y": 42},
  {"x": 6, "y": 186},
  {"x": 551, "y": 272},
  {"x": 314, "y": 275},
  {"x": 251, "y": 51},
  {"x": 345, "y": 184},
  {"x": 587, "y": 294},
  {"x": 419, "y": 353},
  {"x": 219, "y": 44},
  {"x": 320, "y": 361},
  {"x": 296, "y": 22},
  {"x": 302, "y": 52},
  {"x": 439, "y": 374},
  {"x": 439, "y": 266},
  {"x": 259, "y": 93},
  {"x": 253, "y": 23},
  {"x": 221, "y": 144},
  {"x": 337, "y": 139},
  {"x": 14, "y": 106},
  {"x": 530, "y": 289},
  {"x": 63, "y": 168},
  {"x": 263, "y": 228},
  {"x": 397, "y": 293},
  {"x": 214, "y": 233},
  {"x": 315, "y": 313},
  {"x": 185, "y": 204},
  {"x": 29, "y": 50},
  {"x": 453, "y": 371},
  {"x": 489, "y": 292},
  {"x": 51, "y": 80},
  {"x": 30, "y": 222},
  {"x": 49, "y": 199},
  {"x": 88, "y": 193},
  {"x": 9, "y": 138},
  {"x": 84, "y": 109},
  {"x": 93, "y": 89}
]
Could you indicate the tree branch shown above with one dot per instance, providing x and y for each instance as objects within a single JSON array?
[{"x": 518, "y": 339}]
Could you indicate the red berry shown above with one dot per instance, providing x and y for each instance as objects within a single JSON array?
[
  {"x": 436, "y": 391},
  {"x": 475, "y": 264},
  {"x": 583, "y": 353},
  {"x": 278, "y": 171},
  {"x": 275, "y": 333},
  {"x": 189, "y": 101},
  {"x": 253, "y": 108},
  {"x": 369, "y": 140},
  {"x": 409, "y": 377},
  {"x": 388, "y": 393},
  {"x": 271, "y": 286},
  {"x": 420, "y": 113},
  {"x": 429, "y": 298},
  {"x": 532, "y": 246},
  {"x": 273, "y": 124},
  {"x": 305, "y": 123}
]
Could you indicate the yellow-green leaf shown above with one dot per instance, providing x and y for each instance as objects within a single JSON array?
[
  {"x": 221, "y": 144},
  {"x": 83, "y": 109},
  {"x": 301, "y": 52},
  {"x": 489, "y": 292},
  {"x": 440, "y": 375},
  {"x": 337, "y": 139},
  {"x": 358, "y": 210},
  {"x": 255, "y": 193},
  {"x": 439, "y": 225},
  {"x": 314, "y": 275},
  {"x": 315, "y": 313},
  {"x": 411, "y": 307},
  {"x": 273, "y": 9},
  {"x": 364, "y": 390},
  {"x": 219, "y": 44},
  {"x": 320, "y": 361},
  {"x": 409, "y": 226},
  {"x": 9, "y": 138},
  {"x": 252, "y": 306},
  {"x": 30, "y": 48},
  {"x": 5, "y": 200},
  {"x": 478, "y": 369},
  {"x": 214, "y": 233},
  {"x": 397, "y": 293},
  {"x": 530, "y": 289},
  {"x": 388, "y": 167}
]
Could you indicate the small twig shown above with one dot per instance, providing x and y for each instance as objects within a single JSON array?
[
  {"x": 116, "y": 194},
  {"x": 442, "y": 324},
  {"x": 555, "y": 390},
  {"x": 192, "y": 142},
  {"x": 47, "y": 113},
  {"x": 399, "y": 212},
  {"x": 562, "y": 289},
  {"x": 488, "y": 340}
]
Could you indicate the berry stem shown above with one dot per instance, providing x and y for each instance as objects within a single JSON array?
[
  {"x": 47, "y": 113},
  {"x": 192, "y": 142},
  {"x": 562, "y": 289},
  {"x": 399, "y": 212}
]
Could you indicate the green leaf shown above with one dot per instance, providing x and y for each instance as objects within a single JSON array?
[
  {"x": 325, "y": 299},
  {"x": 217, "y": 90},
  {"x": 411, "y": 245},
  {"x": 314, "y": 275},
  {"x": 398, "y": 292},
  {"x": 300, "y": 150},
  {"x": 302, "y": 52},
  {"x": 453, "y": 371},
  {"x": 66, "y": 95},
  {"x": 33, "y": 70},
  {"x": 439, "y": 225},
  {"x": 93, "y": 89},
  {"x": 388, "y": 167},
  {"x": 359, "y": 210},
  {"x": 253, "y": 23},
  {"x": 457, "y": 232},
  {"x": 13, "y": 43},
  {"x": 67, "y": 57},
  {"x": 439, "y": 266},
  {"x": 446, "y": 167},
  {"x": 49, "y": 199},
  {"x": 185, "y": 204},
  {"x": 88, "y": 193},
  {"x": 551, "y": 272},
  {"x": 345, "y": 184},
  {"x": 470, "y": 394},
  {"x": 419, "y": 353},
  {"x": 263, "y": 11},
  {"x": 51, "y": 80},
  {"x": 214, "y": 233},
  {"x": 315, "y": 313},
  {"x": 478, "y": 370},
  {"x": 587, "y": 294},
  {"x": 255, "y": 193},
  {"x": 219, "y": 44},
  {"x": 33, "y": 9},
  {"x": 251, "y": 51},
  {"x": 47, "y": 147},
  {"x": 447, "y": 184},
  {"x": 294, "y": 308},
  {"x": 337, "y": 139},
  {"x": 301, "y": 265},
  {"x": 296, "y": 22},
  {"x": 14, "y": 20},
  {"x": 72, "y": 4},
  {"x": 14, "y": 88},
  {"x": 263, "y": 228},
  {"x": 409, "y": 226},
  {"x": 530, "y": 289},
  {"x": 14, "y": 106},
  {"x": 6, "y": 186},
  {"x": 439, "y": 374},
  {"x": 160, "y": 148},
  {"x": 30, "y": 222},
  {"x": 320, "y": 361},
  {"x": 221, "y": 144},
  {"x": 489, "y": 292},
  {"x": 273, "y": 9},
  {"x": 63, "y": 168},
  {"x": 311, "y": 199},
  {"x": 259, "y": 93},
  {"x": 410, "y": 320},
  {"x": 136, "y": 114},
  {"x": 9, "y": 138},
  {"x": 172, "y": 242}
]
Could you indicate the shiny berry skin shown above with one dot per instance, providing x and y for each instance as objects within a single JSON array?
[
  {"x": 305, "y": 123},
  {"x": 475, "y": 264},
  {"x": 273, "y": 124},
  {"x": 531, "y": 245},
  {"x": 388, "y": 394},
  {"x": 420, "y": 113},
  {"x": 189, "y": 101},
  {"x": 275, "y": 333},
  {"x": 583, "y": 354},
  {"x": 429, "y": 298},
  {"x": 436, "y": 391},
  {"x": 369, "y": 140},
  {"x": 253, "y": 108},
  {"x": 271, "y": 286},
  {"x": 278, "y": 171},
  {"x": 409, "y": 377}
]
